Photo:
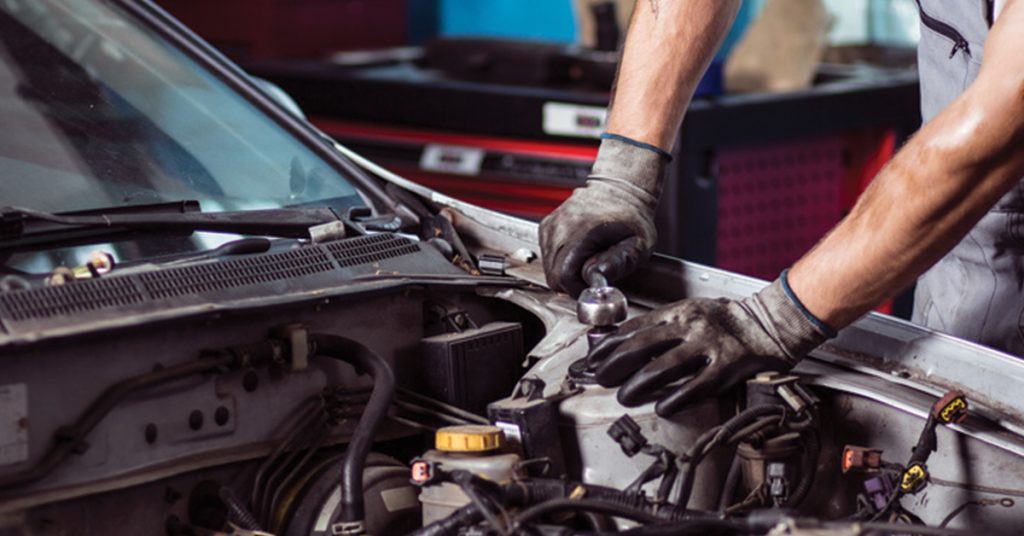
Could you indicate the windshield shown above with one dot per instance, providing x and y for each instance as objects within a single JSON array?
[{"x": 98, "y": 111}]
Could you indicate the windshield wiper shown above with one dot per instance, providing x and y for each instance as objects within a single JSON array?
[{"x": 24, "y": 228}]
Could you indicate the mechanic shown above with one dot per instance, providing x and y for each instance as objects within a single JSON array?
[{"x": 953, "y": 192}]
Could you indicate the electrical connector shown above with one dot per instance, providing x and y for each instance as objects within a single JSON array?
[
  {"x": 626, "y": 432},
  {"x": 951, "y": 408},
  {"x": 914, "y": 478},
  {"x": 426, "y": 473},
  {"x": 861, "y": 459},
  {"x": 778, "y": 485},
  {"x": 879, "y": 490}
]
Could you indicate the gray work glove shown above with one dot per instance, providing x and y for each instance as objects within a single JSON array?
[
  {"x": 720, "y": 342},
  {"x": 610, "y": 219}
]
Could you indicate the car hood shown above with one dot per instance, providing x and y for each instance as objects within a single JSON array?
[{"x": 877, "y": 351}]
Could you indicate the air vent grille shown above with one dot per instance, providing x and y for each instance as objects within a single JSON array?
[
  {"x": 70, "y": 299},
  {"x": 373, "y": 248},
  {"x": 120, "y": 291},
  {"x": 236, "y": 273}
]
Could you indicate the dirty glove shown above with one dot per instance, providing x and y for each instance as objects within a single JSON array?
[
  {"x": 720, "y": 342},
  {"x": 611, "y": 218}
]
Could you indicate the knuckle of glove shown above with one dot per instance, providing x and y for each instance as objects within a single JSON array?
[{"x": 705, "y": 330}]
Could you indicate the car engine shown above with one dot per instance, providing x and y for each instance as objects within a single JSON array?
[
  {"x": 275, "y": 336},
  {"x": 370, "y": 384}
]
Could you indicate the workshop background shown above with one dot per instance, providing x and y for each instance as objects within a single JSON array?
[{"x": 500, "y": 103}]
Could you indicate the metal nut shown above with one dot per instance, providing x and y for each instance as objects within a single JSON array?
[{"x": 601, "y": 306}]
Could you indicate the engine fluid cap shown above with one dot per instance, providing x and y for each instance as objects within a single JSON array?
[{"x": 469, "y": 438}]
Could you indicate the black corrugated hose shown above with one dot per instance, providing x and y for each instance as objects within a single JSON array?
[
  {"x": 551, "y": 495},
  {"x": 238, "y": 512},
  {"x": 364, "y": 361}
]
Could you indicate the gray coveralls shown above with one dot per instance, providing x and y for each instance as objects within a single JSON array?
[{"x": 976, "y": 292}]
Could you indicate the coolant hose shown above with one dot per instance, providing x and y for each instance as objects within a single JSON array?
[{"x": 364, "y": 361}]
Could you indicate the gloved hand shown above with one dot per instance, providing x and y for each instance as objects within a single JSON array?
[
  {"x": 611, "y": 218},
  {"x": 721, "y": 341}
]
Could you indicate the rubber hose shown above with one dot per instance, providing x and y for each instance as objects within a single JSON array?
[
  {"x": 365, "y": 361},
  {"x": 731, "y": 481},
  {"x": 726, "y": 430},
  {"x": 763, "y": 426},
  {"x": 600, "y": 523},
  {"x": 807, "y": 471},
  {"x": 544, "y": 490},
  {"x": 748, "y": 416},
  {"x": 583, "y": 505},
  {"x": 547, "y": 490}
]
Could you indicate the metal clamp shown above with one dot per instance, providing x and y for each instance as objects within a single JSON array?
[
  {"x": 297, "y": 338},
  {"x": 348, "y": 528}
]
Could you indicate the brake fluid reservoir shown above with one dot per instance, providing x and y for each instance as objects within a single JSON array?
[
  {"x": 474, "y": 448},
  {"x": 596, "y": 458}
]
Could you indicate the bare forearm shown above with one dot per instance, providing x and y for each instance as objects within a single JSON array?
[
  {"x": 921, "y": 205},
  {"x": 669, "y": 45}
]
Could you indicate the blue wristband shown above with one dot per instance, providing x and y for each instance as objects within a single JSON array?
[
  {"x": 826, "y": 329},
  {"x": 657, "y": 150}
]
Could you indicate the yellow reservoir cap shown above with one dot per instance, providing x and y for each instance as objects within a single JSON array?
[{"x": 469, "y": 438}]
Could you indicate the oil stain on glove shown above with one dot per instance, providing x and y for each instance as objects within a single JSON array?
[
  {"x": 609, "y": 220},
  {"x": 701, "y": 347}
]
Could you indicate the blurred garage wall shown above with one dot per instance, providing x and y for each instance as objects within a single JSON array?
[
  {"x": 248, "y": 30},
  {"x": 562, "y": 21}
]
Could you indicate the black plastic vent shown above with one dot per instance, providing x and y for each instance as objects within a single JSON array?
[
  {"x": 120, "y": 291},
  {"x": 373, "y": 248},
  {"x": 236, "y": 273},
  {"x": 71, "y": 298}
]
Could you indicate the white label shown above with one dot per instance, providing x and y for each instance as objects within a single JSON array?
[
  {"x": 563, "y": 119},
  {"x": 396, "y": 499},
  {"x": 13, "y": 423},
  {"x": 512, "y": 432},
  {"x": 451, "y": 159}
]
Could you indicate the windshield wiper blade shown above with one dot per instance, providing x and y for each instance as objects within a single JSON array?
[{"x": 22, "y": 228}]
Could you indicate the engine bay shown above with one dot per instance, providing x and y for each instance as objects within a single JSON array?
[
  {"x": 370, "y": 385},
  {"x": 281, "y": 337}
]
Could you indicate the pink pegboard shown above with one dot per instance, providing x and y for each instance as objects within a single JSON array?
[{"x": 775, "y": 202}]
